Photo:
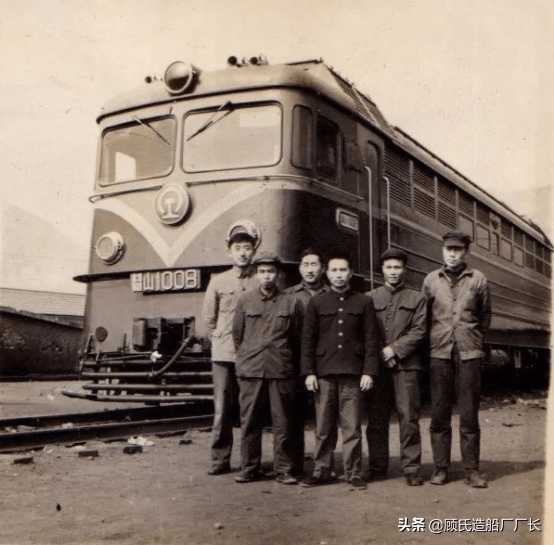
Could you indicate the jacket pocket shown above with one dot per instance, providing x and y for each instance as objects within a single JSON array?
[
  {"x": 227, "y": 300},
  {"x": 408, "y": 305}
]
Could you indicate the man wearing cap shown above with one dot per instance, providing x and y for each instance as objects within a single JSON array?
[
  {"x": 311, "y": 268},
  {"x": 266, "y": 333},
  {"x": 402, "y": 317},
  {"x": 340, "y": 357},
  {"x": 222, "y": 295},
  {"x": 459, "y": 306}
]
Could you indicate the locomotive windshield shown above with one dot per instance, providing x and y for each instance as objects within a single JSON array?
[
  {"x": 232, "y": 137},
  {"x": 139, "y": 150}
]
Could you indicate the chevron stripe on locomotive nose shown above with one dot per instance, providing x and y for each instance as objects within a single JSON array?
[{"x": 170, "y": 253}]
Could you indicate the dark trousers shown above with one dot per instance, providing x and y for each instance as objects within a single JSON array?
[
  {"x": 253, "y": 397},
  {"x": 225, "y": 411},
  {"x": 455, "y": 381},
  {"x": 301, "y": 403},
  {"x": 399, "y": 389},
  {"x": 338, "y": 398}
]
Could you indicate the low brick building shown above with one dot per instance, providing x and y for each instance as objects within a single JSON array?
[{"x": 40, "y": 334}]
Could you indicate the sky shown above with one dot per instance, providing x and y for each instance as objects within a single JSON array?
[{"x": 473, "y": 81}]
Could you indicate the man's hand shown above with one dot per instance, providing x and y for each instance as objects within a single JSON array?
[
  {"x": 366, "y": 383},
  {"x": 311, "y": 383},
  {"x": 387, "y": 354}
]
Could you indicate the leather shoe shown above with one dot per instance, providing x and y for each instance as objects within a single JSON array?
[
  {"x": 219, "y": 469},
  {"x": 286, "y": 478},
  {"x": 357, "y": 483},
  {"x": 318, "y": 480},
  {"x": 373, "y": 475},
  {"x": 474, "y": 479},
  {"x": 440, "y": 476},
  {"x": 243, "y": 477},
  {"x": 414, "y": 479}
]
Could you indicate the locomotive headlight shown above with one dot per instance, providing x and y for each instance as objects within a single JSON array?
[
  {"x": 110, "y": 247},
  {"x": 179, "y": 77}
]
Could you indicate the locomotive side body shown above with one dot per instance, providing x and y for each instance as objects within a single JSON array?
[{"x": 299, "y": 154}]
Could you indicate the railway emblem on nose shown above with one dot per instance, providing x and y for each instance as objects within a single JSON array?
[{"x": 172, "y": 204}]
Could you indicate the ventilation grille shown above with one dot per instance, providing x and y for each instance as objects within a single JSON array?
[
  {"x": 482, "y": 214},
  {"x": 529, "y": 261},
  {"x": 465, "y": 202},
  {"x": 400, "y": 191},
  {"x": 447, "y": 192},
  {"x": 506, "y": 230},
  {"x": 397, "y": 165},
  {"x": 529, "y": 244},
  {"x": 424, "y": 179},
  {"x": 447, "y": 215},
  {"x": 360, "y": 107},
  {"x": 424, "y": 203},
  {"x": 518, "y": 237}
]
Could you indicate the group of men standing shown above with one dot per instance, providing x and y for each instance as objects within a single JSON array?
[{"x": 351, "y": 351}]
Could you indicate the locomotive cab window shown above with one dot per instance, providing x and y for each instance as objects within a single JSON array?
[
  {"x": 136, "y": 151},
  {"x": 302, "y": 137},
  {"x": 231, "y": 137},
  {"x": 327, "y": 138}
]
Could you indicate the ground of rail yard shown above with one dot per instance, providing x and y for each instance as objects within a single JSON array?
[{"x": 164, "y": 496}]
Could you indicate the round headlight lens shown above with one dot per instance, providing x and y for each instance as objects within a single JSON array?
[
  {"x": 110, "y": 247},
  {"x": 178, "y": 77}
]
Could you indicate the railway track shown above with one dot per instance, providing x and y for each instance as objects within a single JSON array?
[{"x": 20, "y": 434}]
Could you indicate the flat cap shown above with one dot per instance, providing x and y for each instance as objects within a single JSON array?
[
  {"x": 457, "y": 238},
  {"x": 394, "y": 253},
  {"x": 266, "y": 258}
]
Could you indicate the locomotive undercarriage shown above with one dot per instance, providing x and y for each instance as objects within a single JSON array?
[{"x": 167, "y": 364}]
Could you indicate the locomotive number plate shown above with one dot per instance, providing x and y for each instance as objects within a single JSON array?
[{"x": 164, "y": 281}]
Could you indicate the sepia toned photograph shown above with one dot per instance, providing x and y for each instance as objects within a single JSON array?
[{"x": 276, "y": 272}]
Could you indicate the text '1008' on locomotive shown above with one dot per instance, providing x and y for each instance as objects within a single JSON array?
[{"x": 302, "y": 156}]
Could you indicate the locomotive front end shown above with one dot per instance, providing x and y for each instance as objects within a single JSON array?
[{"x": 180, "y": 161}]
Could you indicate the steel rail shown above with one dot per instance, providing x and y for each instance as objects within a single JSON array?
[{"x": 117, "y": 424}]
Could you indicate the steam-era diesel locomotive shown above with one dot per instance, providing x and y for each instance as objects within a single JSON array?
[{"x": 305, "y": 158}]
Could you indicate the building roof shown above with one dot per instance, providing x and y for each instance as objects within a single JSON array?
[{"x": 43, "y": 302}]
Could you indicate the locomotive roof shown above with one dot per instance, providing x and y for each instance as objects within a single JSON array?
[{"x": 313, "y": 75}]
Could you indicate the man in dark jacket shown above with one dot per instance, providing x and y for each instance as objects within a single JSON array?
[
  {"x": 459, "y": 305},
  {"x": 312, "y": 269},
  {"x": 402, "y": 316},
  {"x": 340, "y": 355},
  {"x": 266, "y": 330}
]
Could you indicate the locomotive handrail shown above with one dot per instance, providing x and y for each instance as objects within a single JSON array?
[
  {"x": 370, "y": 215},
  {"x": 100, "y": 196},
  {"x": 388, "y": 211}
]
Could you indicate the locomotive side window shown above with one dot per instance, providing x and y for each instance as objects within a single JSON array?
[
  {"x": 135, "y": 151},
  {"x": 495, "y": 243},
  {"x": 230, "y": 137},
  {"x": 302, "y": 137},
  {"x": 327, "y": 138},
  {"x": 518, "y": 256},
  {"x": 506, "y": 249},
  {"x": 483, "y": 237}
]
